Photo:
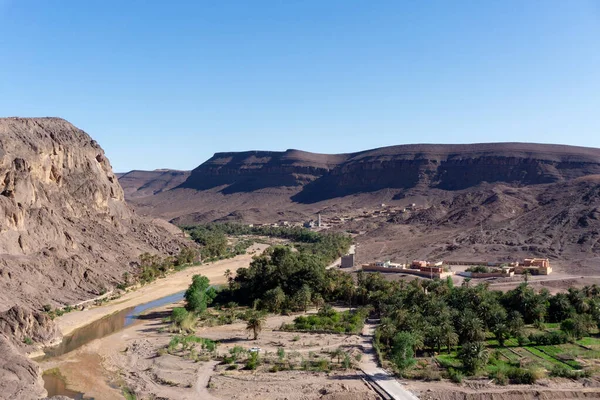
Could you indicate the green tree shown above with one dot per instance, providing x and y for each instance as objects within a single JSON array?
[
  {"x": 403, "y": 350},
  {"x": 274, "y": 299},
  {"x": 255, "y": 321},
  {"x": 515, "y": 323},
  {"x": 473, "y": 356},
  {"x": 470, "y": 327},
  {"x": 196, "y": 296},
  {"x": 304, "y": 297}
]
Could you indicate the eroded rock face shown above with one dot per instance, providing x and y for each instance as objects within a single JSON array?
[
  {"x": 19, "y": 323},
  {"x": 20, "y": 378},
  {"x": 66, "y": 233}
]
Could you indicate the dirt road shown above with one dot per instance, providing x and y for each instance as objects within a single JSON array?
[
  {"x": 173, "y": 283},
  {"x": 379, "y": 376}
]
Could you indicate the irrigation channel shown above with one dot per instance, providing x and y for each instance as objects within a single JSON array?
[{"x": 54, "y": 383}]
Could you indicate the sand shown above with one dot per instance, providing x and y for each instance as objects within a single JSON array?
[{"x": 171, "y": 284}]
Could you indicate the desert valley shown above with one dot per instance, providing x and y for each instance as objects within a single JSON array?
[{"x": 252, "y": 276}]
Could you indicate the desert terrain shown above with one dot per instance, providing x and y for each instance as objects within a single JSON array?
[{"x": 497, "y": 201}]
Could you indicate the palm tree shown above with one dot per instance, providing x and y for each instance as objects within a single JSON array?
[
  {"x": 255, "y": 322},
  {"x": 526, "y": 275}
]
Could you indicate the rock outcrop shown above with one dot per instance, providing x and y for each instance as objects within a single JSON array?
[
  {"x": 66, "y": 233},
  {"x": 20, "y": 377}
]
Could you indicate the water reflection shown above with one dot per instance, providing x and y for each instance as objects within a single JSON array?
[
  {"x": 106, "y": 326},
  {"x": 56, "y": 386}
]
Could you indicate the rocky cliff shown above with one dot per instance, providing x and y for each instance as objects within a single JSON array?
[{"x": 66, "y": 233}]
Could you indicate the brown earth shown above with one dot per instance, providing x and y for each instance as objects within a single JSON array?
[
  {"x": 497, "y": 201},
  {"x": 66, "y": 235}
]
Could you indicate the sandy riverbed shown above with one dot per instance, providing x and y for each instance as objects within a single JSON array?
[{"x": 173, "y": 283}]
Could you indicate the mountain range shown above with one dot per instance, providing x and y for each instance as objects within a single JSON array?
[{"x": 491, "y": 200}]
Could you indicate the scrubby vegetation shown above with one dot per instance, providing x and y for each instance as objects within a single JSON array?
[
  {"x": 213, "y": 239},
  {"x": 329, "y": 320},
  {"x": 152, "y": 266}
]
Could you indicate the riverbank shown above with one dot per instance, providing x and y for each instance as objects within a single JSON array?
[{"x": 172, "y": 283}]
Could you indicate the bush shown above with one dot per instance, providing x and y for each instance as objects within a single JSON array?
[
  {"x": 323, "y": 365},
  {"x": 27, "y": 340},
  {"x": 253, "y": 361},
  {"x": 523, "y": 376},
  {"x": 548, "y": 338},
  {"x": 455, "y": 375},
  {"x": 561, "y": 371},
  {"x": 183, "y": 319}
]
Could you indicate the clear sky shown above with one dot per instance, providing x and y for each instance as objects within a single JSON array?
[{"x": 168, "y": 83}]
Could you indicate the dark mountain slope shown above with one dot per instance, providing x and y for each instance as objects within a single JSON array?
[
  {"x": 502, "y": 200},
  {"x": 148, "y": 183}
]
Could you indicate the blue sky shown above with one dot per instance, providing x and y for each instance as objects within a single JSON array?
[{"x": 169, "y": 83}]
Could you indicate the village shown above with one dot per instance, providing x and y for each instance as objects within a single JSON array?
[{"x": 468, "y": 269}]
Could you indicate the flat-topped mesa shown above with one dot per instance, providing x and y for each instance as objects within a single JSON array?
[
  {"x": 441, "y": 166},
  {"x": 254, "y": 170}
]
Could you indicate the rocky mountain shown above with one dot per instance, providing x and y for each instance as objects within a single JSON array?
[
  {"x": 447, "y": 167},
  {"x": 66, "y": 234},
  {"x": 496, "y": 199},
  {"x": 148, "y": 183}
]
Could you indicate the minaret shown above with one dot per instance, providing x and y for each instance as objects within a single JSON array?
[{"x": 319, "y": 223}]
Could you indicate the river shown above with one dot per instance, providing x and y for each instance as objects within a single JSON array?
[{"x": 55, "y": 383}]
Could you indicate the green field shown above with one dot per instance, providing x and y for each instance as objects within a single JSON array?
[{"x": 571, "y": 356}]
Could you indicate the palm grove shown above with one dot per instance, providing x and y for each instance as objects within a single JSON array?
[{"x": 417, "y": 318}]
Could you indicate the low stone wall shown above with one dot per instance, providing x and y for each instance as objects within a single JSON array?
[
  {"x": 477, "y": 275},
  {"x": 406, "y": 271}
]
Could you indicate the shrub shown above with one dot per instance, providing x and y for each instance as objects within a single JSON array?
[
  {"x": 27, "y": 340},
  {"x": 455, "y": 375},
  {"x": 281, "y": 353},
  {"x": 183, "y": 319},
  {"x": 253, "y": 361},
  {"x": 523, "y": 376},
  {"x": 500, "y": 378},
  {"x": 323, "y": 365},
  {"x": 564, "y": 372}
]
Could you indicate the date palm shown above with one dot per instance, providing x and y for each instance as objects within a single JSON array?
[{"x": 254, "y": 323}]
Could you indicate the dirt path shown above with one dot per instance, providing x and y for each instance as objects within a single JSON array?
[
  {"x": 173, "y": 283},
  {"x": 204, "y": 375},
  {"x": 379, "y": 376}
]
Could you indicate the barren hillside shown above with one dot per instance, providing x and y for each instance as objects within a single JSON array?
[
  {"x": 498, "y": 200},
  {"x": 66, "y": 233}
]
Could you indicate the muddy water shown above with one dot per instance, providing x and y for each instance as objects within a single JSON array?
[
  {"x": 106, "y": 326},
  {"x": 56, "y": 385}
]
